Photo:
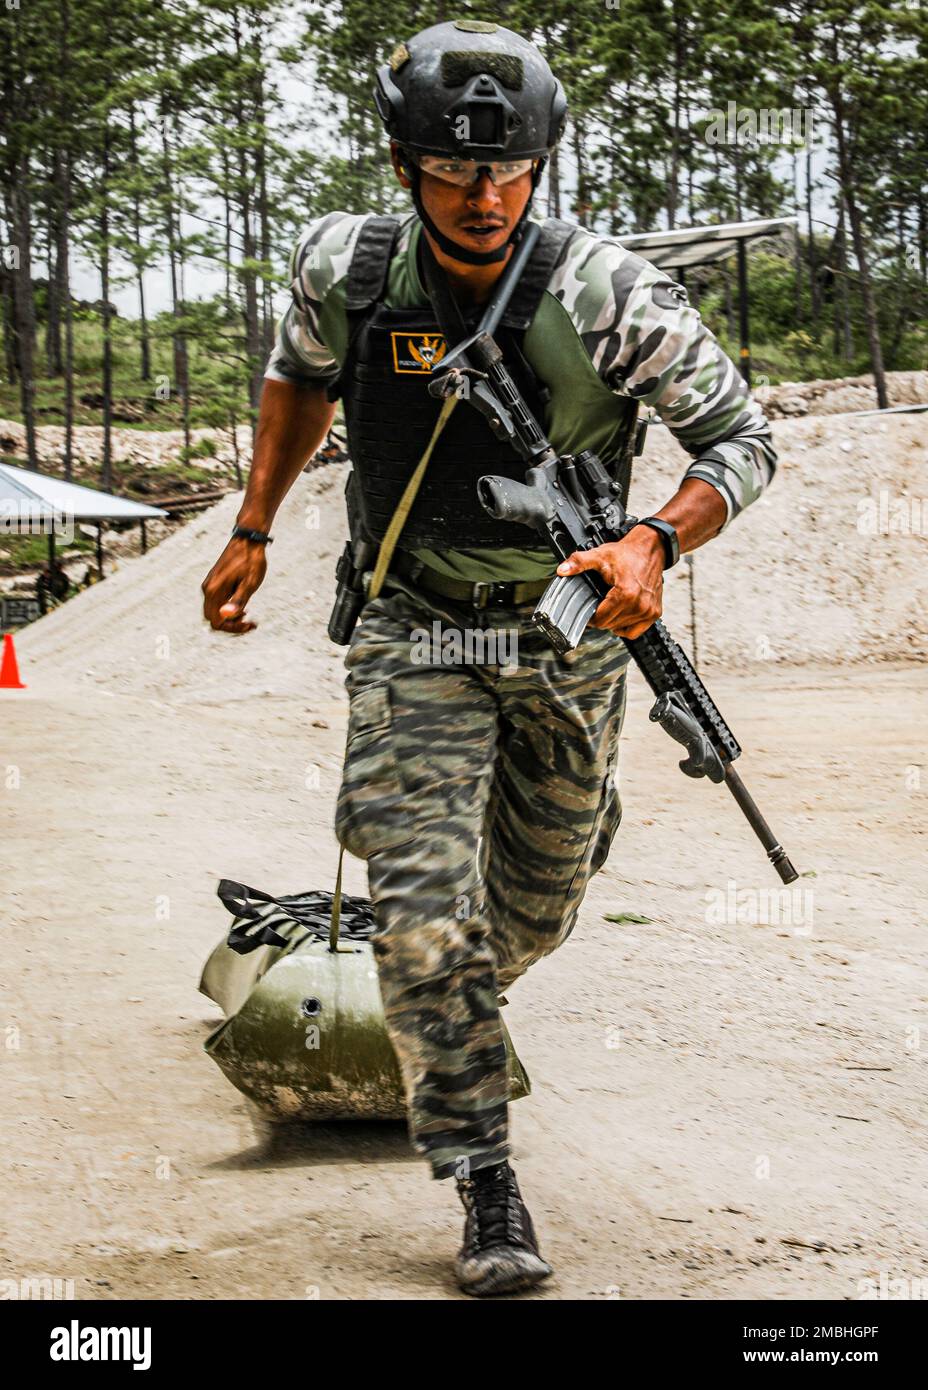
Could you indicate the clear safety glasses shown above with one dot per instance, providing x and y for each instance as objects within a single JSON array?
[{"x": 467, "y": 171}]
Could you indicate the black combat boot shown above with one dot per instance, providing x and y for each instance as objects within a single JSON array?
[{"x": 500, "y": 1251}]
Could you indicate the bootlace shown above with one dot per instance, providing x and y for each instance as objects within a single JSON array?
[{"x": 497, "y": 1207}]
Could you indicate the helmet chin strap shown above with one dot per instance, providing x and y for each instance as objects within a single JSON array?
[{"x": 452, "y": 248}]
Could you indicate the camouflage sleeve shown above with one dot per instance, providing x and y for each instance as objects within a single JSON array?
[
  {"x": 318, "y": 261},
  {"x": 647, "y": 341}
]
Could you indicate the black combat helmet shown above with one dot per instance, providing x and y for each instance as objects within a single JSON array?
[{"x": 475, "y": 91}]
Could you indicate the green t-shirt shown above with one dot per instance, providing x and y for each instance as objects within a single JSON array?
[{"x": 608, "y": 326}]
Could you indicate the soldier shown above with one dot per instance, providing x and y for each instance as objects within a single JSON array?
[{"x": 481, "y": 794}]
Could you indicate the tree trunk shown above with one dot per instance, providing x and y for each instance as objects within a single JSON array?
[
  {"x": 249, "y": 279},
  {"x": 54, "y": 301},
  {"x": 832, "y": 264},
  {"x": 736, "y": 156},
  {"x": 691, "y": 213},
  {"x": 62, "y": 256},
  {"x": 263, "y": 211},
  {"x": 554, "y": 184},
  {"x": 614, "y": 219},
  {"x": 178, "y": 339},
  {"x": 9, "y": 328},
  {"x": 673, "y": 181},
  {"x": 227, "y": 204},
  {"x": 812, "y": 259},
  {"x": 185, "y": 347},
  {"x": 107, "y": 473},
  {"x": 582, "y": 206},
  {"x": 860, "y": 251},
  {"x": 250, "y": 285},
  {"x": 904, "y": 306},
  {"x": 144, "y": 343},
  {"x": 233, "y": 426},
  {"x": 797, "y": 246},
  {"x": 847, "y": 339},
  {"x": 554, "y": 167},
  {"x": 24, "y": 301},
  {"x": 64, "y": 249},
  {"x": 729, "y": 306},
  {"x": 68, "y": 327}
]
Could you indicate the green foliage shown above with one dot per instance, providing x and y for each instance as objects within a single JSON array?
[
  {"x": 204, "y": 448},
  {"x": 177, "y": 135},
  {"x": 25, "y": 552}
]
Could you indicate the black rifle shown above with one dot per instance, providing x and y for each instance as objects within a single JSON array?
[{"x": 574, "y": 504}]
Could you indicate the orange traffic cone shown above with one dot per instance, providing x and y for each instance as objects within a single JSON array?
[{"x": 9, "y": 670}]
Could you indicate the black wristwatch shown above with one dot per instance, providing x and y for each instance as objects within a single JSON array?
[
  {"x": 668, "y": 538},
  {"x": 248, "y": 534}
]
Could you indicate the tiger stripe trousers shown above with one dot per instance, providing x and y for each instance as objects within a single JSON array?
[{"x": 482, "y": 794}]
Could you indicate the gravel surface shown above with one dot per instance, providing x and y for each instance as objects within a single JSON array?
[{"x": 728, "y": 1096}]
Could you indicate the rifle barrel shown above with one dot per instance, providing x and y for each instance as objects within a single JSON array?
[{"x": 775, "y": 851}]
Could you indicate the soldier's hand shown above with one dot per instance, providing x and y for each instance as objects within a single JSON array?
[
  {"x": 238, "y": 572},
  {"x": 634, "y": 567}
]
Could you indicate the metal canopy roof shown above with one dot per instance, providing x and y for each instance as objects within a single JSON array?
[
  {"x": 688, "y": 246},
  {"x": 32, "y": 496}
]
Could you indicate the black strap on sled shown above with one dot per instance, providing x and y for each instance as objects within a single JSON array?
[{"x": 256, "y": 915}]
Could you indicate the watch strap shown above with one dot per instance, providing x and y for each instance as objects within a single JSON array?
[
  {"x": 668, "y": 538},
  {"x": 248, "y": 533}
]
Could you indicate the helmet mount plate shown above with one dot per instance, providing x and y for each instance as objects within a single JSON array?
[{"x": 482, "y": 118}]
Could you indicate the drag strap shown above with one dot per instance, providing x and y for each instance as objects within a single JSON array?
[{"x": 337, "y": 903}]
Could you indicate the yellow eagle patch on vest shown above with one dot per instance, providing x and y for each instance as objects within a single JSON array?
[{"x": 417, "y": 352}]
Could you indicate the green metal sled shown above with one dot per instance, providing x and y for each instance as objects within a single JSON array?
[{"x": 305, "y": 1036}]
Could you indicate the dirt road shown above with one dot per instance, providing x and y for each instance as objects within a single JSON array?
[
  {"x": 699, "y": 1119},
  {"x": 724, "y": 1105}
]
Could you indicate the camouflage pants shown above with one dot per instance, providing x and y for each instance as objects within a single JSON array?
[{"x": 483, "y": 798}]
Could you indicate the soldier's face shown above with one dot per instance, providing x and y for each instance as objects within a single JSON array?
[{"x": 480, "y": 215}]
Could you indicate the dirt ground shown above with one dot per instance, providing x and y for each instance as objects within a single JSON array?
[
  {"x": 727, "y": 1103},
  {"x": 839, "y": 395}
]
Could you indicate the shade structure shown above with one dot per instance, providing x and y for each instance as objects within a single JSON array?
[
  {"x": 690, "y": 246},
  {"x": 33, "y": 502},
  {"x": 33, "y": 496}
]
